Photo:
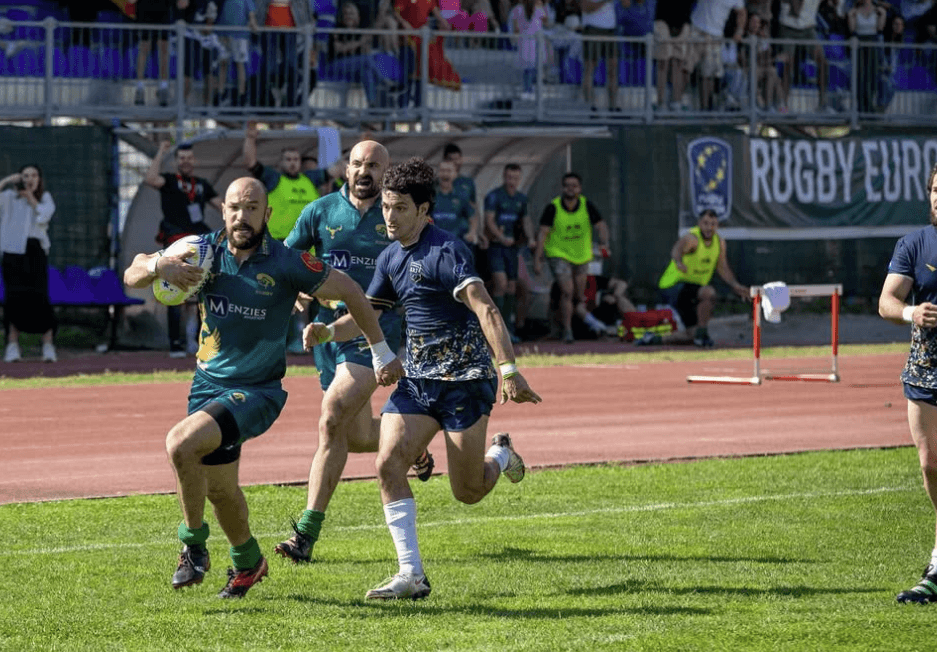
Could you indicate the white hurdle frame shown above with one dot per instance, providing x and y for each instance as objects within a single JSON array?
[{"x": 756, "y": 292}]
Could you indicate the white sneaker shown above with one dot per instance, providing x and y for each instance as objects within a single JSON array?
[
  {"x": 515, "y": 468},
  {"x": 401, "y": 586},
  {"x": 48, "y": 352},
  {"x": 12, "y": 353}
]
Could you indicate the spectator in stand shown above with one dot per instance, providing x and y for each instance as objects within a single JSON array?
[
  {"x": 412, "y": 15},
  {"x": 154, "y": 12},
  {"x": 894, "y": 35},
  {"x": 770, "y": 91},
  {"x": 279, "y": 81},
  {"x": 599, "y": 20},
  {"x": 528, "y": 18},
  {"x": 234, "y": 14},
  {"x": 183, "y": 197},
  {"x": 671, "y": 51},
  {"x": 830, "y": 21},
  {"x": 797, "y": 20},
  {"x": 565, "y": 237},
  {"x": 350, "y": 58},
  {"x": 707, "y": 25},
  {"x": 506, "y": 221},
  {"x": 735, "y": 84},
  {"x": 482, "y": 9},
  {"x": 867, "y": 23},
  {"x": 26, "y": 209}
]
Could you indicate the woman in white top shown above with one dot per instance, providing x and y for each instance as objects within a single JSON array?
[
  {"x": 25, "y": 211},
  {"x": 867, "y": 22}
]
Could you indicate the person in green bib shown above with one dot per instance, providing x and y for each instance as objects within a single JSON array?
[
  {"x": 565, "y": 236},
  {"x": 684, "y": 285}
]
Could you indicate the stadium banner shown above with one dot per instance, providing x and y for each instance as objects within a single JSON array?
[{"x": 806, "y": 188}]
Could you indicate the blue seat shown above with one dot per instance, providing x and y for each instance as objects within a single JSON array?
[
  {"x": 27, "y": 63},
  {"x": 58, "y": 293},
  {"x": 78, "y": 285},
  {"x": 108, "y": 290}
]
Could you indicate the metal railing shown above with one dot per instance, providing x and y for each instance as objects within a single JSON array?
[{"x": 50, "y": 69}]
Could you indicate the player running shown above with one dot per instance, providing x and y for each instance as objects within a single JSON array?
[
  {"x": 345, "y": 228},
  {"x": 236, "y": 394}
]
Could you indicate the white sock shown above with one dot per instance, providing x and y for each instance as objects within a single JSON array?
[
  {"x": 401, "y": 521},
  {"x": 501, "y": 455},
  {"x": 933, "y": 558}
]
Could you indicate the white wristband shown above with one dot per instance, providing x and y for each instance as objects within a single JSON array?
[
  {"x": 508, "y": 369},
  {"x": 908, "y": 314},
  {"x": 381, "y": 355}
]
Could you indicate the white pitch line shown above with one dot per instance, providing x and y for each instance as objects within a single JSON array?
[{"x": 653, "y": 507}]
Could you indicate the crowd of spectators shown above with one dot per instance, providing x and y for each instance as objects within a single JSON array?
[{"x": 701, "y": 46}]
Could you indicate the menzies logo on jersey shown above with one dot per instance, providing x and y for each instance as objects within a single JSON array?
[
  {"x": 343, "y": 260},
  {"x": 219, "y": 306},
  {"x": 710, "y": 165}
]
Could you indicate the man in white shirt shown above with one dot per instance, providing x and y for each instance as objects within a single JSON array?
[
  {"x": 707, "y": 24},
  {"x": 798, "y": 20}
]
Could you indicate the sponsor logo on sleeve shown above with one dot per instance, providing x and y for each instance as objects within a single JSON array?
[{"x": 313, "y": 263}]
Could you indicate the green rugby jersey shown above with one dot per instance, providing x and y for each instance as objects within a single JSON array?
[
  {"x": 452, "y": 212},
  {"x": 344, "y": 238},
  {"x": 245, "y": 310}
]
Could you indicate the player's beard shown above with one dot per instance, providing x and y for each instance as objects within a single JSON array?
[
  {"x": 240, "y": 240},
  {"x": 933, "y": 216},
  {"x": 365, "y": 192}
]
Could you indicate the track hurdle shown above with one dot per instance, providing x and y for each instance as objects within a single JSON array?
[{"x": 834, "y": 291}]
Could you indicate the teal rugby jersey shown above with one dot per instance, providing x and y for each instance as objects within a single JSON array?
[
  {"x": 245, "y": 311},
  {"x": 342, "y": 237},
  {"x": 508, "y": 210},
  {"x": 465, "y": 186},
  {"x": 452, "y": 212}
]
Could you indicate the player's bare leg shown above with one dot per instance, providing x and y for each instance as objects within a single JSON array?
[{"x": 922, "y": 419}]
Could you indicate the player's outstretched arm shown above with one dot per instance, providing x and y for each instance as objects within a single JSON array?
[
  {"x": 340, "y": 287},
  {"x": 514, "y": 386}
]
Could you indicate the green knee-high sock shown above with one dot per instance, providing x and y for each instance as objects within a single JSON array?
[
  {"x": 246, "y": 555},
  {"x": 191, "y": 537},
  {"x": 310, "y": 523}
]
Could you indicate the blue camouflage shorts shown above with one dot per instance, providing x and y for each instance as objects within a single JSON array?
[{"x": 456, "y": 405}]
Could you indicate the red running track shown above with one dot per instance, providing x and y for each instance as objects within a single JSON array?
[{"x": 108, "y": 441}]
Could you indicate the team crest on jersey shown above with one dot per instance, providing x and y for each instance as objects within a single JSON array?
[
  {"x": 265, "y": 280},
  {"x": 459, "y": 270},
  {"x": 416, "y": 271},
  {"x": 381, "y": 228},
  {"x": 310, "y": 261},
  {"x": 710, "y": 164},
  {"x": 238, "y": 397},
  {"x": 332, "y": 232}
]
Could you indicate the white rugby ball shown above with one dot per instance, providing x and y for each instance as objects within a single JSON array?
[{"x": 197, "y": 251}]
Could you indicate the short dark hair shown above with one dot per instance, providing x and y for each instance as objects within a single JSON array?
[
  {"x": 706, "y": 211},
  {"x": 512, "y": 166},
  {"x": 572, "y": 175},
  {"x": 415, "y": 178},
  {"x": 930, "y": 181},
  {"x": 451, "y": 148},
  {"x": 183, "y": 147}
]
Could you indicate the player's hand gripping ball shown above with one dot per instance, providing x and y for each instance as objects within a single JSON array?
[{"x": 196, "y": 251}]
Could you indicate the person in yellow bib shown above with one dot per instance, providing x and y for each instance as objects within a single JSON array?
[
  {"x": 565, "y": 236},
  {"x": 684, "y": 285}
]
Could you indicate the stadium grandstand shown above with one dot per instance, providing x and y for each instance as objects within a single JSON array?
[{"x": 807, "y": 191}]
